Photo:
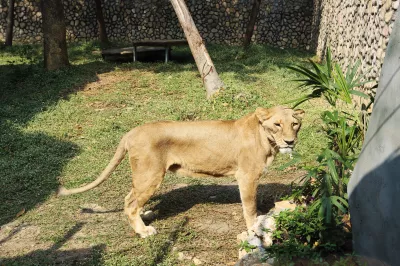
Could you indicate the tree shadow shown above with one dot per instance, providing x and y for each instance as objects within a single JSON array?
[
  {"x": 31, "y": 161},
  {"x": 54, "y": 256},
  {"x": 30, "y": 164}
]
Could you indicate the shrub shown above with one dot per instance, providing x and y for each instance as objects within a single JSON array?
[{"x": 302, "y": 234}]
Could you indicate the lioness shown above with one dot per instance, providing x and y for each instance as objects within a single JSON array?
[{"x": 242, "y": 147}]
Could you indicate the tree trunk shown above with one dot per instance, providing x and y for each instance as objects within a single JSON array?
[
  {"x": 10, "y": 23},
  {"x": 54, "y": 39},
  {"x": 101, "y": 24},
  {"x": 252, "y": 22},
  {"x": 207, "y": 70}
]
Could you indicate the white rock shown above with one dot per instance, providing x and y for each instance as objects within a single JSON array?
[
  {"x": 181, "y": 256},
  {"x": 196, "y": 261},
  {"x": 284, "y": 205}
]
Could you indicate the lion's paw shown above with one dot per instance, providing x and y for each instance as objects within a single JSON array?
[{"x": 150, "y": 230}]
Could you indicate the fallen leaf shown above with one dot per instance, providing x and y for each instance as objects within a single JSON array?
[{"x": 20, "y": 213}]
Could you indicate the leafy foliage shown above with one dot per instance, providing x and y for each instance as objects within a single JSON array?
[
  {"x": 302, "y": 234},
  {"x": 246, "y": 246},
  {"x": 317, "y": 228},
  {"x": 328, "y": 80},
  {"x": 325, "y": 185}
]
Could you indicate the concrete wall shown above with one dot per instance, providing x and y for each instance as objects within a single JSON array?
[{"x": 374, "y": 188}]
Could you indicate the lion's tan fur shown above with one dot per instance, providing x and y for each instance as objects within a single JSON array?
[{"x": 242, "y": 147}]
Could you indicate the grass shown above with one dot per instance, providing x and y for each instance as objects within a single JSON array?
[{"x": 62, "y": 128}]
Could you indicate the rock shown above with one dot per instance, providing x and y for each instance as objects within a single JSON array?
[
  {"x": 252, "y": 259},
  {"x": 196, "y": 261},
  {"x": 284, "y": 205},
  {"x": 148, "y": 215},
  {"x": 385, "y": 31},
  {"x": 379, "y": 53},
  {"x": 388, "y": 16},
  {"x": 181, "y": 256}
]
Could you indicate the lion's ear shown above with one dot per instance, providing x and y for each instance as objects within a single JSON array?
[
  {"x": 299, "y": 114},
  {"x": 263, "y": 114}
]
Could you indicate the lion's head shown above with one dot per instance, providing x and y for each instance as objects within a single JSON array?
[{"x": 281, "y": 125}]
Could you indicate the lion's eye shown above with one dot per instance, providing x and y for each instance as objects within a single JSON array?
[
  {"x": 277, "y": 124},
  {"x": 295, "y": 124}
]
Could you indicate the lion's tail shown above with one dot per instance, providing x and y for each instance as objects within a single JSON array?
[{"x": 115, "y": 161}]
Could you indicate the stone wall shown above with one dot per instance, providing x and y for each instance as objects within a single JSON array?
[
  {"x": 355, "y": 29},
  {"x": 282, "y": 23},
  {"x": 27, "y": 21}
]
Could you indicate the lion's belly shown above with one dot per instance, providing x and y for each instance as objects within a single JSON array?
[
  {"x": 199, "y": 166},
  {"x": 200, "y": 173}
]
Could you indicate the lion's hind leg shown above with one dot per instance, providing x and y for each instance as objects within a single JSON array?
[{"x": 145, "y": 183}]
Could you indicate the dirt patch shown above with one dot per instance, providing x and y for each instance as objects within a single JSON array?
[
  {"x": 107, "y": 81},
  {"x": 19, "y": 238}
]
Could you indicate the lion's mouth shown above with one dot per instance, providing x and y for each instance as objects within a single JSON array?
[{"x": 284, "y": 150}]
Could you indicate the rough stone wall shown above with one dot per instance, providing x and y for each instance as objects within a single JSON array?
[
  {"x": 355, "y": 29},
  {"x": 282, "y": 23},
  {"x": 80, "y": 20},
  {"x": 285, "y": 23},
  {"x": 27, "y": 21}
]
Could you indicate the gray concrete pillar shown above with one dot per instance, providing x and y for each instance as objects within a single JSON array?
[{"x": 374, "y": 188}]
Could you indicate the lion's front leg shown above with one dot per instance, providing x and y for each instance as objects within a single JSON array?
[{"x": 248, "y": 194}]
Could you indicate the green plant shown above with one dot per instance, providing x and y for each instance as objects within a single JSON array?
[
  {"x": 246, "y": 246},
  {"x": 303, "y": 234},
  {"x": 328, "y": 80},
  {"x": 325, "y": 185}
]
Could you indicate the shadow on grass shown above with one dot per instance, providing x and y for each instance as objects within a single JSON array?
[
  {"x": 30, "y": 164},
  {"x": 257, "y": 59},
  {"x": 182, "y": 199},
  {"x": 31, "y": 161},
  {"x": 54, "y": 256}
]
